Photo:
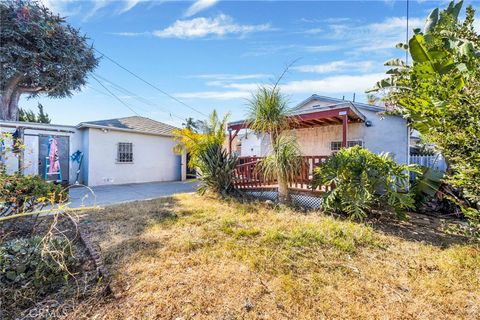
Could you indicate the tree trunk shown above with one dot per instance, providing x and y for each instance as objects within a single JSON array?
[
  {"x": 9, "y": 106},
  {"x": 9, "y": 99},
  {"x": 13, "y": 113},
  {"x": 3, "y": 108},
  {"x": 283, "y": 193}
]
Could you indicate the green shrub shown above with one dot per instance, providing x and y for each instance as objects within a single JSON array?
[
  {"x": 363, "y": 181},
  {"x": 216, "y": 170},
  {"x": 20, "y": 193},
  {"x": 24, "y": 263}
]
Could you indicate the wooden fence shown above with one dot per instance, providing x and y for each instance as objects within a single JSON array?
[{"x": 247, "y": 176}]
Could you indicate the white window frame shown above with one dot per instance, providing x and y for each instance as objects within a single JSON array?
[
  {"x": 350, "y": 143},
  {"x": 124, "y": 152}
]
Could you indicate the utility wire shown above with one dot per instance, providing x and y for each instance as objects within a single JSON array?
[
  {"x": 150, "y": 84},
  {"x": 99, "y": 91},
  {"x": 124, "y": 90},
  {"x": 106, "y": 94},
  {"x": 137, "y": 97},
  {"x": 115, "y": 96}
]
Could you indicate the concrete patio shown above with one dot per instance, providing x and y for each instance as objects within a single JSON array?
[{"x": 115, "y": 194}]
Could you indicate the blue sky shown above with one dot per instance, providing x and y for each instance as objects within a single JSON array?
[{"x": 213, "y": 54}]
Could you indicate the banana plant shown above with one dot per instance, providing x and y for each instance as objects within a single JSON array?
[{"x": 431, "y": 59}]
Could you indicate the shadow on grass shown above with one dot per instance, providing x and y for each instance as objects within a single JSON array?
[
  {"x": 118, "y": 229},
  {"x": 418, "y": 228}
]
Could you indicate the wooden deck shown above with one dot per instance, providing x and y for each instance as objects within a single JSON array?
[{"x": 247, "y": 177}]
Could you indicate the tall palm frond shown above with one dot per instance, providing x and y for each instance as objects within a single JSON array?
[{"x": 268, "y": 111}]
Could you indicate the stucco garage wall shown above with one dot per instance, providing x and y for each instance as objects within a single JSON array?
[{"x": 153, "y": 158}]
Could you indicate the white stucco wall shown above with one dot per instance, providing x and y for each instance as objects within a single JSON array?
[
  {"x": 153, "y": 158},
  {"x": 386, "y": 134},
  {"x": 250, "y": 145},
  {"x": 86, "y": 153}
]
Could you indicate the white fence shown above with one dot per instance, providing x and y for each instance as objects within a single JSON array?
[{"x": 436, "y": 162}]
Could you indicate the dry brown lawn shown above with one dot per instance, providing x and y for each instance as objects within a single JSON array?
[{"x": 190, "y": 257}]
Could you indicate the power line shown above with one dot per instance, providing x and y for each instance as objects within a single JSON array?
[
  {"x": 106, "y": 94},
  {"x": 139, "y": 98},
  {"x": 150, "y": 84},
  {"x": 99, "y": 91},
  {"x": 115, "y": 96},
  {"x": 125, "y": 91}
]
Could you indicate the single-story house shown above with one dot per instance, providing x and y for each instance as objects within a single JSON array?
[
  {"x": 323, "y": 125},
  {"x": 115, "y": 151}
]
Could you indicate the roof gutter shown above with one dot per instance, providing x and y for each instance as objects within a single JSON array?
[{"x": 17, "y": 125}]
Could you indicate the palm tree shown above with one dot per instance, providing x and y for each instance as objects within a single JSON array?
[
  {"x": 269, "y": 114},
  {"x": 190, "y": 124}
]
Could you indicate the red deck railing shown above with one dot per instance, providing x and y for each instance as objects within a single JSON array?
[{"x": 247, "y": 177}]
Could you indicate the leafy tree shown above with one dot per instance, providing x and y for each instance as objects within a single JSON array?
[
  {"x": 29, "y": 116},
  {"x": 39, "y": 54},
  {"x": 269, "y": 114},
  {"x": 439, "y": 93}
]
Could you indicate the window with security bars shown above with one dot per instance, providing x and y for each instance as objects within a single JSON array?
[
  {"x": 337, "y": 145},
  {"x": 125, "y": 152}
]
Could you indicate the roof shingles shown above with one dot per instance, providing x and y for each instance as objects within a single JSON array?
[{"x": 135, "y": 123}]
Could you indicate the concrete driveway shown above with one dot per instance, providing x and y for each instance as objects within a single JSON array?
[{"x": 115, "y": 194}]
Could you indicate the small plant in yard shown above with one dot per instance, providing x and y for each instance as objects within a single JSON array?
[
  {"x": 32, "y": 268},
  {"x": 363, "y": 181},
  {"x": 24, "y": 263},
  {"x": 215, "y": 167},
  {"x": 22, "y": 194},
  {"x": 216, "y": 170}
]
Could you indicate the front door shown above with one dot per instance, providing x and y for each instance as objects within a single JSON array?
[{"x": 63, "y": 143}]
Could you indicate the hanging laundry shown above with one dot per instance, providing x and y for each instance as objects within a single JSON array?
[{"x": 53, "y": 157}]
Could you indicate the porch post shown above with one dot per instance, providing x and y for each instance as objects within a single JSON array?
[
  {"x": 230, "y": 141},
  {"x": 344, "y": 128}
]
